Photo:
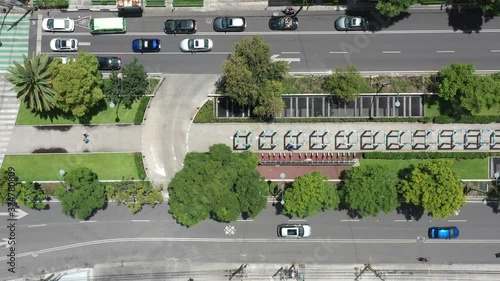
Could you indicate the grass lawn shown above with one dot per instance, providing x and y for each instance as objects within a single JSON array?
[
  {"x": 46, "y": 167},
  {"x": 432, "y": 108},
  {"x": 188, "y": 3},
  {"x": 466, "y": 169}
]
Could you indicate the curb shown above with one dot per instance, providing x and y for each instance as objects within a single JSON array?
[{"x": 90, "y": 9}]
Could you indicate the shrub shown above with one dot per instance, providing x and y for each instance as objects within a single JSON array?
[
  {"x": 44, "y": 4},
  {"x": 139, "y": 165},
  {"x": 428, "y": 155},
  {"x": 443, "y": 119},
  {"x": 141, "y": 110},
  {"x": 206, "y": 113}
]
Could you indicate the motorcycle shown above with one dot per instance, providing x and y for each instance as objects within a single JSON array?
[
  {"x": 422, "y": 259},
  {"x": 289, "y": 11}
]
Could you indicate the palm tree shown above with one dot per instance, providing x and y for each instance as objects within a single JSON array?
[{"x": 32, "y": 81}]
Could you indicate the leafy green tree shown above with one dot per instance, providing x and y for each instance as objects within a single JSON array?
[
  {"x": 134, "y": 194},
  {"x": 370, "y": 189},
  {"x": 490, "y": 8},
  {"x": 434, "y": 186},
  {"x": 33, "y": 82},
  {"x": 4, "y": 186},
  {"x": 82, "y": 194},
  {"x": 252, "y": 78},
  {"x": 134, "y": 83},
  {"x": 251, "y": 193},
  {"x": 78, "y": 85},
  {"x": 466, "y": 92},
  {"x": 393, "y": 8},
  {"x": 31, "y": 195},
  {"x": 345, "y": 84},
  {"x": 310, "y": 194}
]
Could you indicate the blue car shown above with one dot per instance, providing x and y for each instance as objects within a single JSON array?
[
  {"x": 447, "y": 232},
  {"x": 146, "y": 45}
]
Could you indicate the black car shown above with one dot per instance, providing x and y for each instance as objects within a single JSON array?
[
  {"x": 109, "y": 63},
  {"x": 180, "y": 26},
  {"x": 229, "y": 24},
  {"x": 283, "y": 23},
  {"x": 146, "y": 45}
]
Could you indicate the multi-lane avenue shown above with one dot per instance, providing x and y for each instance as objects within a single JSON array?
[
  {"x": 48, "y": 239},
  {"x": 422, "y": 42}
]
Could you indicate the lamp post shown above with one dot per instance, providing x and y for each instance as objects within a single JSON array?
[
  {"x": 282, "y": 187},
  {"x": 496, "y": 175},
  {"x": 118, "y": 84},
  {"x": 397, "y": 104}
]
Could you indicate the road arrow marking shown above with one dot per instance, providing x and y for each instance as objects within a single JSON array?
[
  {"x": 289, "y": 60},
  {"x": 20, "y": 214},
  {"x": 6, "y": 243}
]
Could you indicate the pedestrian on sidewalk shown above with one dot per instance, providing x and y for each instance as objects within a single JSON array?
[
  {"x": 86, "y": 140},
  {"x": 85, "y": 135}
]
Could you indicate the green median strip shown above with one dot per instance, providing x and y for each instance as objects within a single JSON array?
[{"x": 46, "y": 167}]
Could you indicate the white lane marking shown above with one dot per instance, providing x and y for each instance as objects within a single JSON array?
[
  {"x": 140, "y": 220},
  {"x": 445, "y": 51},
  {"x": 338, "y": 52},
  {"x": 495, "y": 51},
  {"x": 391, "y": 52},
  {"x": 457, "y": 220},
  {"x": 84, "y": 43},
  {"x": 403, "y": 220},
  {"x": 145, "y": 54},
  {"x": 348, "y": 220},
  {"x": 37, "y": 225},
  {"x": 297, "y": 220},
  {"x": 289, "y": 53},
  {"x": 87, "y": 221},
  {"x": 244, "y": 220},
  {"x": 39, "y": 34}
]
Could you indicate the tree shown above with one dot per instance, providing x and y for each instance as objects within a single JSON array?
[
  {"x": 33, "y": 82},
  {"x": 4, "y": 186},
  {"x": 134, "y": 194},
  {"x": 134, "y": 83},
  {"x": 31, "y": 195},
  {"x": 370, "y": 189},
  {"x": 466, "y": 92},
  {"x": 78, "y": 85},
  {"x": 393, "y": 8},
  {"x": 490, "y": 8},
  {"x": 434, "y": 186},
  {"x": 345, "y": 84},
  {"x": 219, "y": 185},
  {"x": 82, "y": 194},
  {"x": 252, "y": 78},
  {"x": 310, "y": 194}
]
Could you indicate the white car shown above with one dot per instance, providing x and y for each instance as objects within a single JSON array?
[
  {"x": 294, "y": 230},
  {"x": 58, "y": 25},
  {"x": 64, "y": 45},
  {"x": 196, "y": 45}
]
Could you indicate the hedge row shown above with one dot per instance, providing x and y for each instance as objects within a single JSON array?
[
  {"x": 141, "y": 110},
  {"x": 139, "y": 165},
  {"x": 155, "y": 3},
  {"x": 44, "y": 4},
  {"x": 428, "y": 155},
  {"x": 477, "y": 119}
]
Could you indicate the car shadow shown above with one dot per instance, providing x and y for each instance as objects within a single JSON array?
[{"x": 465, "y": 18}]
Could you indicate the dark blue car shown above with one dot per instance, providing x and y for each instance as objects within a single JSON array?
[
  {"x": 447, "y": 232},
  {"x": 146, "y": 45}
]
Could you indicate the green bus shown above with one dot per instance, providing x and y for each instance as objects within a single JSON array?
[{"x": 107, "y": 25}]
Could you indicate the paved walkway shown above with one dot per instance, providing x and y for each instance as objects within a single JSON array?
[
  {"x": 14, "y": 38},
  {"x": 9, "y": 106}
]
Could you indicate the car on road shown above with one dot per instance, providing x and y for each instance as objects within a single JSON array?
[
  {"x": 196, "y": 45},
  {"x": 294, "y": 230},
  {"x": 64, "y": 45},
  {"x": 447, "y": 232},
  {"x": 109, "y": 63},
  {"x": 348, "y": 23},
  {"x": 229, "y": 24},
  {"x": 185, "y": 26},
  {"x": 283, "y": 23},
  {"x": 58, "y": 25},
  {"x": 146, "y": 45}
]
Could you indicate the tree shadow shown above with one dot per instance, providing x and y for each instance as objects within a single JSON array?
[
  {"x": 466, "y": 18},
  {"x": 410, "y": 211},
  {"x": 353, "y": 214},
  {"x": 377, "y": 22},
  {"x": 405, "y": 172}
]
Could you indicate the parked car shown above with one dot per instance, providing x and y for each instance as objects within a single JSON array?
[
  {"x": 186, "y": 26},
  {"x": 64, "y": 45},
  {"x": 58, "y": 25},
  {"x": 347, "y": 23},
  {"x": 447, "y": 232},
  {"x": 229, "y": 24},
  {"x": 196, "y": 45},
  {"x": 283, "y": 23},
  {"x": 146, "y": 45},
  {"x": 294, "y": 230},
  {"x": 109, "y": 63}
]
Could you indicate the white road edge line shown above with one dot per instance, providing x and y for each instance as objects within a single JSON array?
[
  {"x": 297, "y": 220},
  {"x": 445, "y": 51},
  {"x": 84, "y": 43},
  {"x": 403, "y": 220},
  {"x": 87, "y": 221},
  {"x": 36, "y": 225},
  {"x": 348, "y": 220},
  {"x": 244, "y": 220},
  {"x": 140, "y": 220},
  {"x": 39, "y": 34},
  {"x": 289, "y": 53},
  {"x": 495, "y": 51},
  {"x": 338, "y": 52},
  {"x": 391, "y": 52},
  {"x": 457, "y": 220}
]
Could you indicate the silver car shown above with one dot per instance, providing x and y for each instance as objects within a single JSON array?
[
  {"x": 229, "y": 24},
  {"x": 196, "y": 45}
]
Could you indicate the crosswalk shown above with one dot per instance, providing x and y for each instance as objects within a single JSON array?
[{"x": 14, "y": 42}]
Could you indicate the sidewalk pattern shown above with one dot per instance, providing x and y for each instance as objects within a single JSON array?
[
  {"x": 9, "y": 107},
  {"x": 14, "y": 38}
]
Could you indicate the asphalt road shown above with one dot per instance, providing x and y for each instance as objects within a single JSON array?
[
  {"x": 423, "y": 41},
  {"x": 114, "y": 235}
]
